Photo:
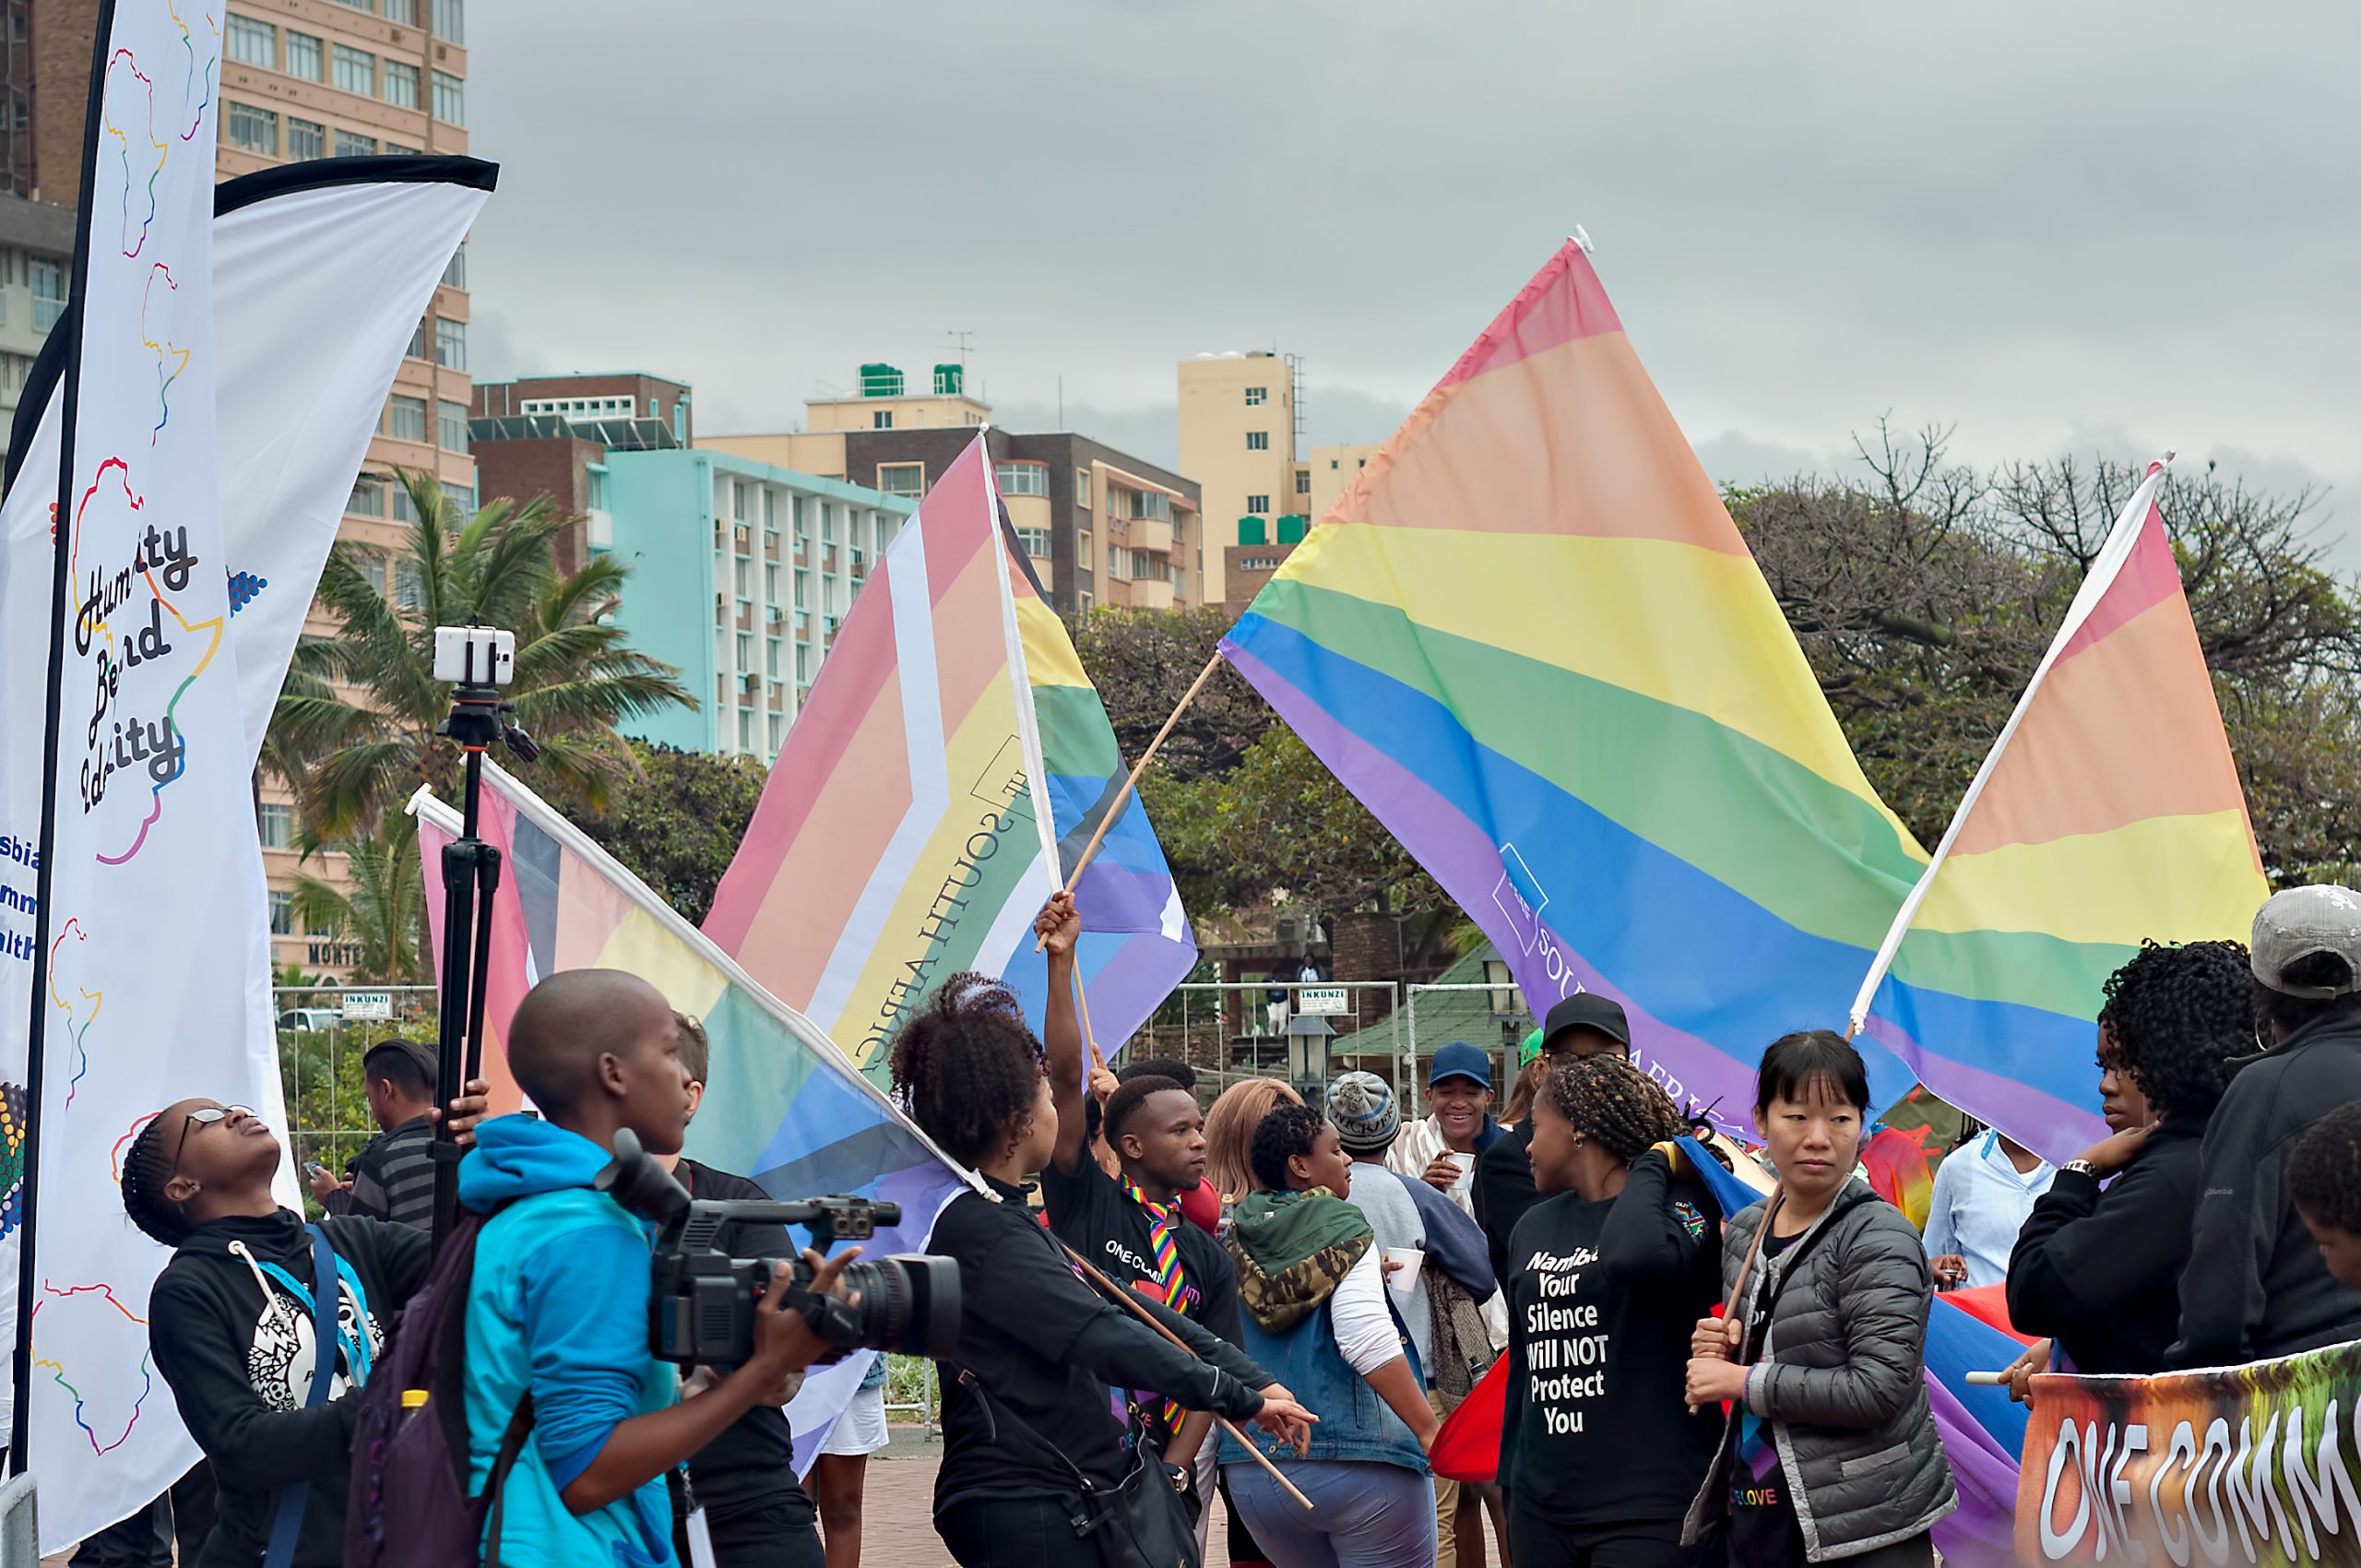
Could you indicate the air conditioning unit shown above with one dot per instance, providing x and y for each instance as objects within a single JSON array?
[{"x": 753, "y": 683}]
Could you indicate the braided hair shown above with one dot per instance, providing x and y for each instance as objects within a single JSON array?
[
  {"x": 147, "y": 1167},
  {"x": 2324, "y": 1169},
  {"x": 2180, "y": 1016},
  {"x": 1615, "y": 1105},
  {"x": 966, "y": 1068}
]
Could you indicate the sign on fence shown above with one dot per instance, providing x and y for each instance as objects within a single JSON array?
[
  {"x": 2252, "y": 1465},
  {"x": 370, "y": 1006},
  {"x": 1330, "y": 1003}
]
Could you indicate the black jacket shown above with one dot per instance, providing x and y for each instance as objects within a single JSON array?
[
  {"x": 1046, "y": 1347},
  {"x": 2255, "y": 1284},
  {"x": 2099, "y": 1269},
  {"x": 1504, "y": 1190},
  {"x": 754, "y": 1460},
  {"x": 236, "y": 1346}
]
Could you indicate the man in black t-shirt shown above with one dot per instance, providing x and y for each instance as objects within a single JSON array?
[
  {"x": 1131, "y": 1228},
  {"x": 744, "y": 1479}
]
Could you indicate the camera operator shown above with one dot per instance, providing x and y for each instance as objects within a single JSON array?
[
  {"x": 755, "y": 1515},
  {"x": 559, "y": 1308},
  {"x": 1038, "y": 1346}
]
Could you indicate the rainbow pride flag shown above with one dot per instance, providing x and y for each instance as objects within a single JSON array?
[
  {"x": 1530, "y": 639},
  {"x": 951, "y": 761},
  {"x": 2110, "y": 810},
  {"x": 781, "y": 1103}
]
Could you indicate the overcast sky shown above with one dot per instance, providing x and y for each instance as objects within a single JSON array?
[{"x": 2092, "y": 226}]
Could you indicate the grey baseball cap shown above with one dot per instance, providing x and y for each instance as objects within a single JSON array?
[{"x": 2302, "y": 921}]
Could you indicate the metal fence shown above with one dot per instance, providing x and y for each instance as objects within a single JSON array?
[
  {"x": 324, "y": 1031},
  {"x": 1229, "y": 1030},
  {"x": 1491, "y": 1017}
]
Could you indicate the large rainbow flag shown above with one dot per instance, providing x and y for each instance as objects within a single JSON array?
[
  {"x": 2110, "y": 810},
  {"x": 781, "y": 1103},
  {"x": 949, "y": 763},
  {"x": 1531, "y": 640}
]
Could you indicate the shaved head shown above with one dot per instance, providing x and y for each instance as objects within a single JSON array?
[{"x": 572, "y": 1020}]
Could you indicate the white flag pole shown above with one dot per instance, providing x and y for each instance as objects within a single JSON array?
[{"x": 2104, "y": 571}]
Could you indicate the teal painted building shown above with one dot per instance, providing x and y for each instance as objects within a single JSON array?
[{"x": 740, "y": 574}]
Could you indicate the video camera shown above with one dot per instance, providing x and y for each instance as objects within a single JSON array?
[{"x": 705, "y": 1299}]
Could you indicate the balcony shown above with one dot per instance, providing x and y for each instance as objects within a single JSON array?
[
  {"x": 777, "y": 698},
  {"x": 1146, "y": 593},
  {"x": 770, "y": 545},
  {"x": 802, "y": 551},
  {"x": 741, "y": 539},
  {"x": 859, "y": 565},
  {"x": 828, "y": 558},
  {"x": 1152, "y": 534},
  {"x": 745, "y": 616}
]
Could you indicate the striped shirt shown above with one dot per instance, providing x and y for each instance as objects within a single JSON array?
[{"x": 393, "y": 1178}]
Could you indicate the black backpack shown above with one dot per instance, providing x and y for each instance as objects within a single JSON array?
[{"x": 408, "y": 1505}]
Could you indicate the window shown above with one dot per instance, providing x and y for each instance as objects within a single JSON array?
[
  {"x": 352, "y": 144},
  {"x": 743, "y": 576},
  {"x": 372, "y": 568},
  {"x": 883, "y": 419},
  {"x": 402, "y": 11},
  {"x": 405, "y": 509},
  {"x": 1036, "y": 542},
  {"x": 451, "y": 20},
  {"x": 1152, "y": 504},
  {"x": 827, "y": 523},
  {"x": 401, "y": 84},
  {"x": 770, "y": 582},
  {"x": 778, "y": 730},
  {"x": 410, "y": 588},
  {"x": 451, "y": 426},
  {"x": 1256, "y": 395},
  {"x": 594, "y": 488},
  {"x": 282, "y": 913},
  {"x": 1082, "y": 487},
  {"x": 770, "y": 658},
  {"x": 303, "y": 55},
  {"x": 356, "y": 70},
  {"x": 803, "y": 663},
  {"x": 252, "y": 129},
  {"x": 407, "y": 419},
  {"x": 1258, "y": 441},
  {"x": 450, "y": 343},
  {"x": 276, "y": 821},
  {"x": 1303, "y": 482},
  {"x": 829, "y": 604},
  {"x": 254, "y": 43},
  {"x": 417, "y": 348},
  {"x": 746, "y": 651},
  {"x": 368, "y": 497},
  {"x": 738, "y": 500},
  {"x": 745, "y": 730},
  {"x": 456, "y": 274},
  {"x": 306, "y": 139},
  {"x": 1023, "y": 479},
  {"x": 395, "y": 150},
  {"x": 1258, "y": 504},
  {"x": 462, "y": 498},
  {"x": 1086, "y": 602},
  {"x": 1082, "y": 545},
  {"x": 770, "y": 510},
  {"x": 368, "y": 6},
  {"x": 450, "y": 99},
  {"x": 902, "y": 479}
]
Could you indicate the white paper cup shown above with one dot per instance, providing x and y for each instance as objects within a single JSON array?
[{"x": 1406, "y": 1277}]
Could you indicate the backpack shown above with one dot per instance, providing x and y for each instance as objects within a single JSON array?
[{"x": 408, "y": 1505}]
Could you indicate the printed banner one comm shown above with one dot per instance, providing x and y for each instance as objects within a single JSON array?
[{"x": 2258, "y": 1464}]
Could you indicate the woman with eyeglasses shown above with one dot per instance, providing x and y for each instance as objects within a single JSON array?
[{"x": 231, "y": 1319}]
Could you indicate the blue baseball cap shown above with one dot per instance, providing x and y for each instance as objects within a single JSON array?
[{"x": 1459, "y": 1059}]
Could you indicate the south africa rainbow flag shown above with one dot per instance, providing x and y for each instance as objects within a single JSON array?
[{"x": 1530, "y": 639}]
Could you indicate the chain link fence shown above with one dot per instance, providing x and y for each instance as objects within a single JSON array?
[{"x": 324, "y": 1031}]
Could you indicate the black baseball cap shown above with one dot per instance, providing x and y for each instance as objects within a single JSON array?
[{"x": 1587, "y": 1010}]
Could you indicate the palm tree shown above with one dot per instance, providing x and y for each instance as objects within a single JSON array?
[
  {"x": 354, "y": 730},
  {"x": 379, "y": 913}
]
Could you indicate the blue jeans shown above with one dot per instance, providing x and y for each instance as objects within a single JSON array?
[{"x": 1364, "y": 1514}]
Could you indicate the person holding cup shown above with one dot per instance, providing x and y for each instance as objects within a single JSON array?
[{"x": 1441, "y": 1147}]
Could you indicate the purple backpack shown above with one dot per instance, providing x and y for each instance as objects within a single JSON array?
[{"x": 409, "y": 1505}]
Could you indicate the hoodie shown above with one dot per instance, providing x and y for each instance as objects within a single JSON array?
[
  {"x": 559, "y": 1308},
  {"x": 231, "y": 1328}
]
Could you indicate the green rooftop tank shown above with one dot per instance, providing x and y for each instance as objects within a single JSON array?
[
  {"x": 1292, "y": 527},
  {"x": 948, "y": 379},
  {"x": 880, "y": 381},
  {"x": 1253, "y": 530}
]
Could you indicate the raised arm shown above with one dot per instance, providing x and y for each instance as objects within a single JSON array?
[
  {"x": 1059, "y": 926},
  {"x": 1650, "y": 1232}
]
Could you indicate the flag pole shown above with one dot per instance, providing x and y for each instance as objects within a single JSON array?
[
  {"x": 2109, "y": 561},
  {"x": 1115, "y": 807},
  {"x": 69, "y": 395}
]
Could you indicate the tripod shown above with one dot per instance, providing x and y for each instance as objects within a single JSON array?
[{"x": 470, "y": 878}]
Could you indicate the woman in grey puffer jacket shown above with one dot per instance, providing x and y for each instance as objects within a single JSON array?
[{"x": 1831, "y": 1452}]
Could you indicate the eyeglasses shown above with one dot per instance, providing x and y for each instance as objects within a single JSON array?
[{"x": 205, "y": 1116}]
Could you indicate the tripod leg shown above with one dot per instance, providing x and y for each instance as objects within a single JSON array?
[{"x": 487, "y": 890}]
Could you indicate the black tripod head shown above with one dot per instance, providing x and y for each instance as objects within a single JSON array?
[{"x": 479, "y": 718}]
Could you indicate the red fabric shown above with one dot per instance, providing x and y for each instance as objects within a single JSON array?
[
  {"x": 1468, "y": 1448},
  {"x": 1989, "y": 1303},
  {"x": 1200, "y": 1207}
]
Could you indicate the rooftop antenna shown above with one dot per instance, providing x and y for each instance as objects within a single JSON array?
[{"x": 959, "y": 341}]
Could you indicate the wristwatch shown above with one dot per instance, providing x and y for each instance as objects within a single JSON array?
[{"x": 2081, "y": 1168}]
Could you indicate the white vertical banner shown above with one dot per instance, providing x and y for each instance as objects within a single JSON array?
[{"x": 157, "y": 969}]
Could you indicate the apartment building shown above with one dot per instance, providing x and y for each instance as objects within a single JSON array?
[
  {"x": 551, "y": 436},
  {"x": 1264, "y": 542},
  {"x": 1101, "y": 526},
  {"x": 1240, "y": 431},
  {"x": 36, "y": 264}
]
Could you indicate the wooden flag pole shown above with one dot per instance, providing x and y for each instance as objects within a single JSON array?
[
  {"x": 1125, "y": 1297},
  {"x": 1115, "y": 808}
]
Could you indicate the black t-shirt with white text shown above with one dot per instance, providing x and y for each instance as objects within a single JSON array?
[
  {"x": 1090, "y": 1212},
  {"x": 1602, "y": 1300}
]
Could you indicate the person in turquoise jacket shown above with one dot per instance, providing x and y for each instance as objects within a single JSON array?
[{"x": 559, "y": 1305}]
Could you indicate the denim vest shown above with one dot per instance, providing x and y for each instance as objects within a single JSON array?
[{"x": 1354, "y": 1422}]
